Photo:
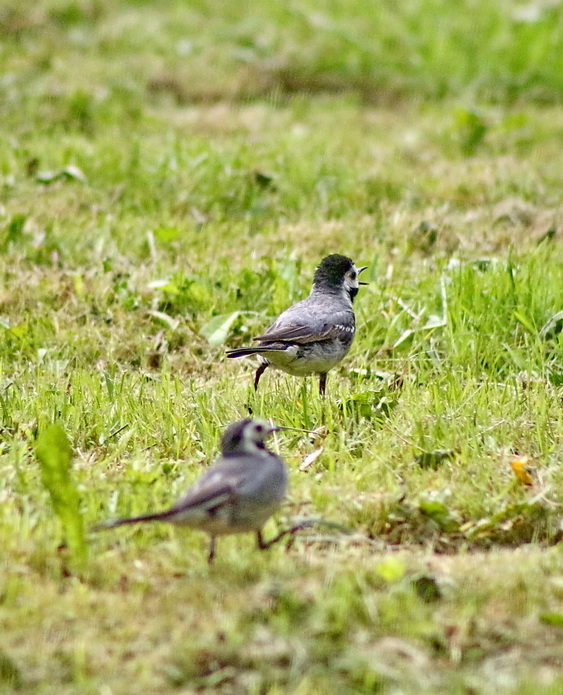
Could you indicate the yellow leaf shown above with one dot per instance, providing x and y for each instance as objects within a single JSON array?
[{"x": 522, "y": 470}]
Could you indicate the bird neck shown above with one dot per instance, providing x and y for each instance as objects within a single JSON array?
[
  {"x": 338, "y": 291},
  {"x": 245, "y": 449}
]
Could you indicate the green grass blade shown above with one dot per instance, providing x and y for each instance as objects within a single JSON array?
[{"x": 54, "y": 453}]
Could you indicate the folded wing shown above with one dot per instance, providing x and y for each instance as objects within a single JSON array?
[{"x": 303, "y": 332}]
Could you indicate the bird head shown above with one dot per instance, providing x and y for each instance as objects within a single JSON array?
[
  {"x": 246, "y": 436},
  {"x": 336, "y": 272}
]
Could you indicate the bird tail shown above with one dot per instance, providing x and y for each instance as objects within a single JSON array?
[
  {"x": 244, "y": 352},
  {"x": 159, "y": 516}
]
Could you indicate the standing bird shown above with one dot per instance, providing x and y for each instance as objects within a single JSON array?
[
  {"x": 239, "y": 493},
  {"x": 314, "y": 335}
]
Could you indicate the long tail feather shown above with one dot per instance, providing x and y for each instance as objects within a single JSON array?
[
  {"x": 243, "y": 352},
  {"x": 160, "y": 516}
]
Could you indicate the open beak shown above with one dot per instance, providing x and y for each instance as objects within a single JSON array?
[{"x": 359, "y": 270}]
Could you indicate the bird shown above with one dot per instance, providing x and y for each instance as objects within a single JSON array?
[
  {"x": 314, "y": 335},
  {"x": 238, "y": 494}
]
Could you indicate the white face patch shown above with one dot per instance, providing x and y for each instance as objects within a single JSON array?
[
  {"x": 351, "y": 284},
  {"x": 253, "y": 437},
  {"x": 351, "y": 278}
]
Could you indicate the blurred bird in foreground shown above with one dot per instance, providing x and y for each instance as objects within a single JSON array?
[
  {"x": 314, "y": 335},
  {"x": 238, "y": 494}
]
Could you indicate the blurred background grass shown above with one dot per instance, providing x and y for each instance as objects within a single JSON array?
[{"x": 106, "y": 54}]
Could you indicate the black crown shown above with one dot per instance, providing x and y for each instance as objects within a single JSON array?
[
  {"x": 332, "y": 269},
  {"x": 233, "y": 435}
]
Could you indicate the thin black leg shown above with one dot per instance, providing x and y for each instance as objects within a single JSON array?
[
  {"x": 264, "y": 545},
  {"x": 322, "y": 383},
  {"x": 261, "y": 369},
  {"x": 211, "y": 555}
]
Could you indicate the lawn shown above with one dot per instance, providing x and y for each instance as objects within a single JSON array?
[{"x": 170, "y": 175}]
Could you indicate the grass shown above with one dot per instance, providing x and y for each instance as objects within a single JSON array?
[
  {"x": 169, "y": 178},
  {"x": 209, "y": 51}
]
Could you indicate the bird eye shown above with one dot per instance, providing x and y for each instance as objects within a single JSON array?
[
  {"x": 353, "y": 275},
  {"x": 259, "y": 428}
]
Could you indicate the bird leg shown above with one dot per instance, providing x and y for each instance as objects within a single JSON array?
[
  {"x": 322, "y": 383},
  {"x": 261, "y": 369},
  {"x": 211, "y": 555},
  {"x": 264, "y": 545}
]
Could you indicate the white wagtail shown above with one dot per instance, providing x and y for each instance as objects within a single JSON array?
[
  {"x": 239, "y": 493},
  {"x": 314, "y": 335}
]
